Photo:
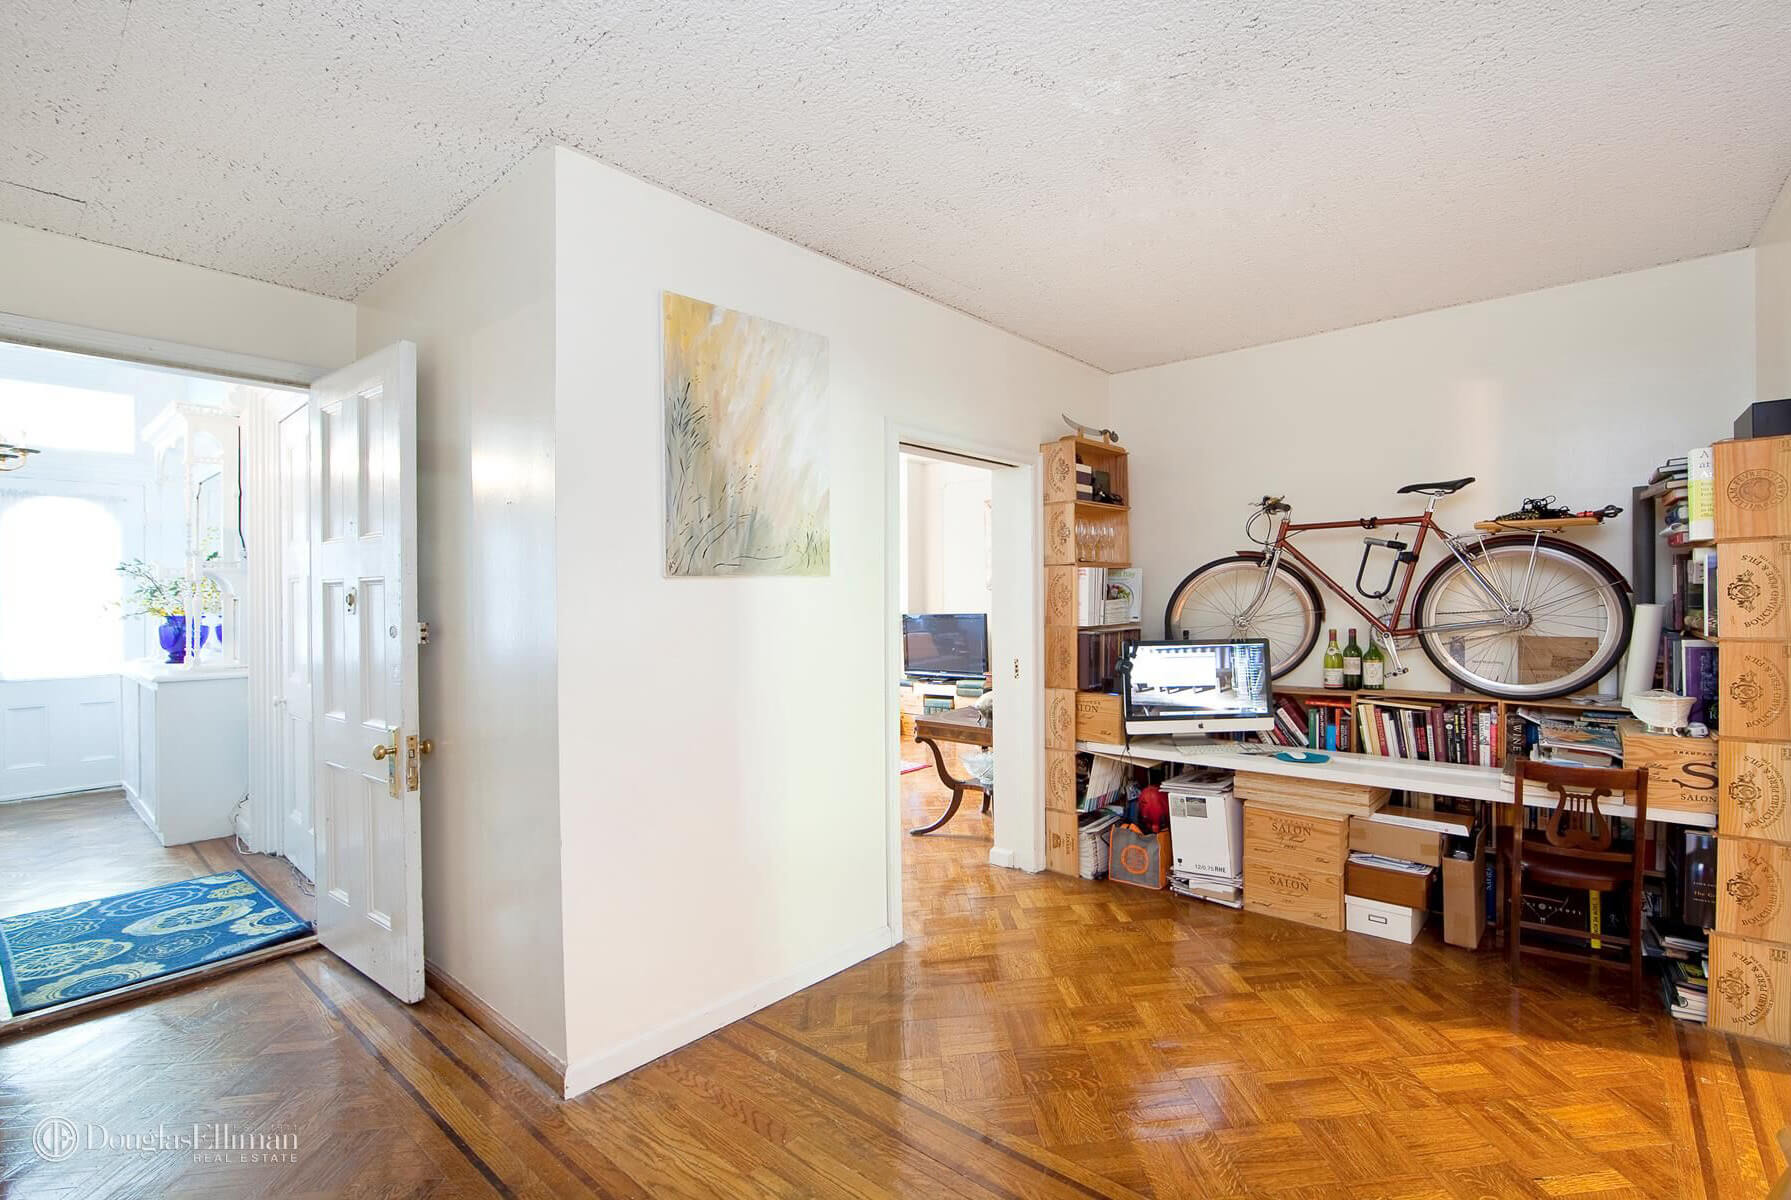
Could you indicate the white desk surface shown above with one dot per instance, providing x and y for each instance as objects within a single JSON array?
[{"x": 1371, "y": 770}]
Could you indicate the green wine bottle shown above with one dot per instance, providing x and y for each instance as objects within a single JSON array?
[
  {"x": 1333, "y": 663},
  {"x": 1374, "y": 666},
  {"x": 1352, "y": 663}
]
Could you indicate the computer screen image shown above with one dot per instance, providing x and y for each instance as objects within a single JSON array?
[{"x": 1198, "y": 687}]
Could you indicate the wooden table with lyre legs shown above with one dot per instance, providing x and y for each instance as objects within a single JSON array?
[{"x": 969, "y": 727}]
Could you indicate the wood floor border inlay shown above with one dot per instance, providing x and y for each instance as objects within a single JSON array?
[
  {"x": 441, "y": 1122},
  {"x": 901, "y": 1097}
]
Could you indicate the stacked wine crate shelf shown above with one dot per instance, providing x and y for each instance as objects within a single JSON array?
[
  {"x": 1070, "y": 526},
  {"x": 1750, "y": 949}
]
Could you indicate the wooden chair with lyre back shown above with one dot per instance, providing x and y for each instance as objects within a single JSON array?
[{"x": 1574, "y": 850}]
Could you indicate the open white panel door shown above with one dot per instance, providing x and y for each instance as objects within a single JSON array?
[{"x": 364, "y": 636}]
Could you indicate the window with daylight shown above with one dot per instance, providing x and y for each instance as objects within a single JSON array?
[
  {"x": 51, "y": 416},
  {"x": 59, "y": 586}
]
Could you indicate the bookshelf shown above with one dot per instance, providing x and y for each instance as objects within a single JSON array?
[
  {"x": 1504, "y": 712},
  {"x": 1079, "y": 532}
]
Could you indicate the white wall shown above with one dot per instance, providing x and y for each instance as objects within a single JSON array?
[
  {"x": 50, "y": 277},
  {"x": 1772, "y": 308},
  {"x": 946, "y": 536},
  {"x": 478, "y": 299},
  {"x": 1579, "y": 391},
  {"x": 724, "y": 742}
]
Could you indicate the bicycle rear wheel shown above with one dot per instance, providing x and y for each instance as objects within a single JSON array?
[
  {"x": 1578, "y": 619},
  {"x": 1209, "y": 603}
]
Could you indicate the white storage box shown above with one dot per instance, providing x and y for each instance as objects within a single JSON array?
[{"x": 1376, "y": 918}]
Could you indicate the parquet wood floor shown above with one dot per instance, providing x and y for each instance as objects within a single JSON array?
[{"x": 1035, "y": 1037}]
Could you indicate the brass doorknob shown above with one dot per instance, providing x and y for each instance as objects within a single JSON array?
[
  {"x": 427, "y": 745},
  {"x": 382, "y": 752}
]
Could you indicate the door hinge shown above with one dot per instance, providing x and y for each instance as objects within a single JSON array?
[{"x": 422, "y": 633}]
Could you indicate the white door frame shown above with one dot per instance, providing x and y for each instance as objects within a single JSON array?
[
  {"x": 199, "y": 360},
  {"x": 1019, "y": 824}
]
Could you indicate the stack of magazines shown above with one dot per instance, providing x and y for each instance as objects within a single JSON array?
[{"x": 1686, "y": 989}]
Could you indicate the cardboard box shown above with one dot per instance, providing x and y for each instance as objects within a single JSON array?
[
  {"x": 1464, "y": 897},
  {"x": 1399, "y": 841},
  {"x": 1681, "y": 771},
  {"x": 1388, "y": 886}
]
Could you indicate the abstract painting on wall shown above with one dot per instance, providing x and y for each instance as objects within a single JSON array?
[{"x": 746, "y": 481}]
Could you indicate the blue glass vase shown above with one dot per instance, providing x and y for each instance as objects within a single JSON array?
[{"x": 173, "y": 637}]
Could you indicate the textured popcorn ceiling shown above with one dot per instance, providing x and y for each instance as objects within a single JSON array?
[{"x": 1129, "y": 183}]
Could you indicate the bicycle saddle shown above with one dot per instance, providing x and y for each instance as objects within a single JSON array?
[{"x": 1442, "y": 488}]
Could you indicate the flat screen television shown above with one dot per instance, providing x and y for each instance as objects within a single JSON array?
[{"x": 945, "y": 645}]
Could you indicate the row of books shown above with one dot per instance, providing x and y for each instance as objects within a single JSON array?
[
  {"x": 1684, "y": 492},
  {"x": 1454, "y": 732},
  {"x": 1437, "y": 731},
  {"x": 1688, "y": 667},
  {"x": 1314, "y": 724}
]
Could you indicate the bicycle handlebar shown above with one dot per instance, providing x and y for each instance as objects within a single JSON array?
[{"x": 1274, "y": 504}]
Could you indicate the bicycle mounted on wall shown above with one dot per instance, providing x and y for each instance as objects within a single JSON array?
[{"x": 1521, "y": 616}]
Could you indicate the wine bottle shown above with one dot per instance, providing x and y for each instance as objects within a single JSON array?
[
  {"x": 1352, "y": 663},
  {"x": 1333, "y": 663},
  {"x": 1374, "y": 666}
]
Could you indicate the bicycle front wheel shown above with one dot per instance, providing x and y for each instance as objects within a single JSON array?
[
  {"x": 1209, "y": 605},
  {"x": 1573, "y": 626}
]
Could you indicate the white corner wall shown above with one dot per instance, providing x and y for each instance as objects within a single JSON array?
[
  {"x": 1772, "y": 307},
  {"x": 946, "y": 527},
  {"x": 724, "y": 741},
  {"x": 50, "y": 277},
  {"x": 1579, "y": 391},
  {"x": 478, "y": 299}
]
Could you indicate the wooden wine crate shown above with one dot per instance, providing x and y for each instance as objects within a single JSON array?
[
  {"x": 1313, "y": 795},
  {"x": 1753, "y": 590},
  {"x": 1754, "y": 789},
  {"x": 1060, "y": 596},
  {"x": 1060, "y": 719},
  {"x": 1062, "y": 854},
  {"x": 1295, "y": 840},
  {"x": 1750, "y": 988},
  {"x": 1060, "y": 470},
  {"x": 1752, "y": 679},
  {"x": 1681, "y": 771},
  {"x": 1301, "y": 894},
  {"x": 1060, "y": 781},
  {"x": 1753, "y": 888},
  {"x": 1753, "y": 489},
  {"x": 1060, "y": 657},
  {"x": 1100, "y": 717},
  {"x": 1060, "y": 535}
]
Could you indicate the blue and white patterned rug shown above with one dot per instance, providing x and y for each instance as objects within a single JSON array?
[{"x": 62, "y": 954}]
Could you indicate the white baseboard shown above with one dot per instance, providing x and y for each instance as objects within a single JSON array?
[
  {"x": 1000, "y": 858},
  {"x": 587, "y": 1073}
]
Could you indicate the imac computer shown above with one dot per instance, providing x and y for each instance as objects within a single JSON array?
[{"x": 1197, "y": 687}]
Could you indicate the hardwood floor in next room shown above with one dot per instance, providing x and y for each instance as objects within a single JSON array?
[{"x": 1035, "y": 1037}]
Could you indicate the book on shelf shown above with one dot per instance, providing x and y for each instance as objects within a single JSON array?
[
  {"x": 1464, "y": 731},
  {"x": 1122, "y": 597},
  {"x": 1701, "y": 493},
  {"x": 1091, "y": 595}
]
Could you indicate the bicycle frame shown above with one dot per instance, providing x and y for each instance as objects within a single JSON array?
[{"x": 1281, "y": 543}]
